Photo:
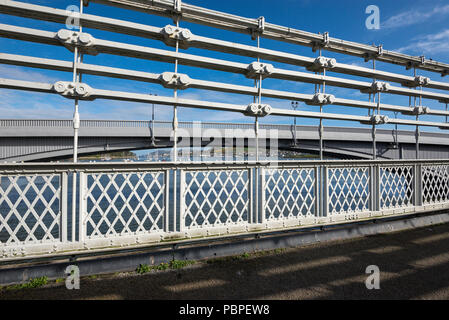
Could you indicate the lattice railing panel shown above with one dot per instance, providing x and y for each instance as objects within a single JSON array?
[
  {"x": 216, "y": 198},
  {"x": 124, "y": 203},
  {"x": 435, "y": 183},
  {"x": 396, "y": 186},
  {"x": 289, "y": 193},
  {"x": 348, "y": 189},
  {"x": 30, "y": 208}
]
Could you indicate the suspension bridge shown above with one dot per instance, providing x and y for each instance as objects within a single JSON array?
[{"x": 64, "y": 210}]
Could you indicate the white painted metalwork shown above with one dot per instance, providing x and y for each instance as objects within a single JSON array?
[
  {"x": 118, "y": 205},
  {"x": 215, "y": 198},
  {"x": 290, "y": 194},
  {"x": 435, "y": 183},
  {"x": 349, "y": 190},
  {"x": 131, "y": 204},
  {"x": 124, "y": 203},
  {"x": 31, "y": 211},
  {"x": 396, "y": 186}
]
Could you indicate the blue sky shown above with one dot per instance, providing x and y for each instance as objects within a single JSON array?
[{"x": 418, "y": 27}]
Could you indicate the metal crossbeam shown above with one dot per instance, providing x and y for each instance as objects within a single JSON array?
[{"x": 199, "y": 15}]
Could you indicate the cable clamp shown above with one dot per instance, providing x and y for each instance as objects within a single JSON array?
[
  {"x": 319, "y": 99},
  {"x": 322, "y": 63},
  {"x": 74, "y": 90},
  {"x": 258, "y": 110},
  {"x": 377, "y": 86},
  {"x": 172, "y": 34},
  {"x": 416, "y": 111},
  {"x": 71, "y": 39},
  {"x": 173, "y": 80},
  {"x": 418, "y": 81},
  {"x": 257, "y": 69},
  {"x": 376, "y": 120}
]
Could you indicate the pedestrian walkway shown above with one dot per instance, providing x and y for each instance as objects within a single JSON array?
[{"x": 413, "y": 265}]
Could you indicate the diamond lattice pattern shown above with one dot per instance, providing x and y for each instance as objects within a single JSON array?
[
  {"x": 435, "y": 183},
  {"x": 29, "y": 209},
  {"x": 289, "y": 193},
  {"x": 216, "y": 198},
  {"x": 348, "y": 190},
  {"x": 396, "y": 186},
  {"x": 124, "y": 203}
]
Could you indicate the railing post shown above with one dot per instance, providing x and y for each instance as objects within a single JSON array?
[
  {"x": 251, "y": 211},
  {"x": 82, "y": 206},
  {"x": 376, "y": 192},
  {"x": 182, "y": 187},
  {"x": 74, "y": 201},
  {"x": 372, "y": 188},
  {"x": 317, "y": 192},
  {"x": 167, "y": 202},
  {"x": 324, "y": 191},
  {"x": 417, "y": 175},
  {"x": 175, "y": 195},
  {"x": 64, "y": 201},
  {"x": 261, "y": 203}
]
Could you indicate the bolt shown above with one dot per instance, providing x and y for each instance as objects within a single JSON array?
[{"x": 64, "y": 34}]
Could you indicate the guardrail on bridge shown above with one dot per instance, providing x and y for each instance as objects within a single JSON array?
[{"x": 122, "y": 205}]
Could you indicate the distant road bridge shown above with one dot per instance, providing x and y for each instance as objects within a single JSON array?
[{"x": 36, "y": 140}]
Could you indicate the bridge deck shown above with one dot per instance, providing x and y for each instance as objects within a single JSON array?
[
  {"x": 413, "y": 265},
  {"x": 38, "y": 140}
]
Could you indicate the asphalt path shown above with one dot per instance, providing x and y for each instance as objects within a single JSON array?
[{"x": 413, "y": 264}]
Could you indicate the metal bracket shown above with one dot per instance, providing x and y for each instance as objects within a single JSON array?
[
  {"x": 73, "y": 90},
  {"x": 258, "y": 110},
  {"x": 445, "y": 72},
  {"x": 411, "y": 65},
  {"x": 256, "y": 69},
  {"x": 173, "y": 80},
  {"x": 419, "y": 81},
  {"x": 417, "y": 134},
  {"x": 376, "y": 120},
  {"x": 177, "y": 10},
  {"x": 376, "y": 87},
  {"x": 71, "y": 39},
  {"x": 321, "y": 44},
  {"x": 416, "y": 111},
  {"x": 172, "y": 34},
  {"x": 76, "y": 120},
  {"x": 255, "y": 32},
  {"x": 321, "y": 99},
  {"x": 322, "y": 63},
  {"x": 370, "y": 55}
]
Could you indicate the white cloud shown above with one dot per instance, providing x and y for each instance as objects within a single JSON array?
[
  {"x": 429, "y": 44},
  {"x": 26, "y": 74},
  {"x": 414, "y": 16}
]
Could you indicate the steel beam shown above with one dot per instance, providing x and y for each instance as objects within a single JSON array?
[
  {"x": 199, "y": 15},
  {"x": 135, "y": 51},
  {"x": 170, "y": 101},
  {"x": 151, "y": 32}
]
